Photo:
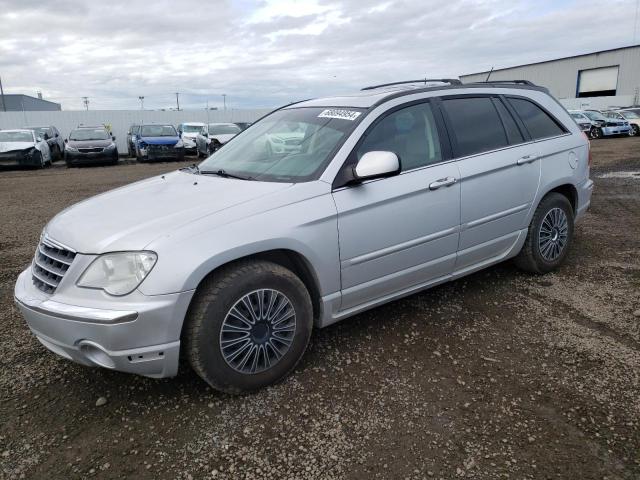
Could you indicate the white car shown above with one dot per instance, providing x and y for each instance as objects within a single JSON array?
[
  {"x": 632, "y": 117},
  {"x": 188, "y": 132},
  {"x": 213, "y": 136},
  {"x": 23, "y": 147}
]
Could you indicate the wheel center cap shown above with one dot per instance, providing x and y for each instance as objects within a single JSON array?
[
  {"x": 260, "y": 332},
  {"x": 555, "y": 235}
]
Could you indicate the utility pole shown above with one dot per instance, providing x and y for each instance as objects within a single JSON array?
[
  {"x": 141, "y": 98},
  {"x": 4, "y": 105},
  {"x": 178, "y": 100},
  {"x": 224, "y": 100},
  {"x": 85, "y": 100}
]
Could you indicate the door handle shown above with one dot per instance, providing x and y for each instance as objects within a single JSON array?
[
  {"x": 526, "y": 159},
  {"x": 443, "y": 182}
]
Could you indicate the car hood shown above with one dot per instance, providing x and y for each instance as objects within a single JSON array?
[
  {"x": 159, "y": 140},
  {"x": 131, "y": 217},
  {"x": 14, "y": 146},
  {"x": 189, "y": 134},
  {"x": 89, "y": 143},
  {"x": 224, "y": 137}
]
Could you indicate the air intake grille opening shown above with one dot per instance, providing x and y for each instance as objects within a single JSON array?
[{"x": 49, "y": 266}]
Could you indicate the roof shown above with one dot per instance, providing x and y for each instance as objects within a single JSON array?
[
  {"x": 552, "y": 60},
  {"x": 376, "y": 96}
]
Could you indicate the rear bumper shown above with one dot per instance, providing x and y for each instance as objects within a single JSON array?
[{"x": 141, "y": 338}]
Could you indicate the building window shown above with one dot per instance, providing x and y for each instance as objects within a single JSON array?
[{"x": 598, "y": 82}]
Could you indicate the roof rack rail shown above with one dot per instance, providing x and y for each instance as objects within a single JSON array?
[
  {"x": 517, "y": 82},
  {"x": 451, "y": 81}
]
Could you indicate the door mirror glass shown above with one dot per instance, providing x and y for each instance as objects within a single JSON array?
[{"x": 376, "y": 164}]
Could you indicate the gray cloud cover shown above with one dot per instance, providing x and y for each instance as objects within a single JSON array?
[{"x": 265, "y": 53}]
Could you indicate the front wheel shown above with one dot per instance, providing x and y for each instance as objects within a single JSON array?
[
  {"x": 248, "y": 326},
  {"x": 635, "y": 131},
  {"x": 596, "y": 132},
  {"x": 549, "y": 236}
]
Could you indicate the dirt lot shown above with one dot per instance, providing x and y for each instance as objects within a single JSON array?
[{"x": 499, "y": 375}]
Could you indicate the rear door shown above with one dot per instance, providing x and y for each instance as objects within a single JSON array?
[
  {"x": 400, "y": 233},
  {"x": 499, "y": 176}
]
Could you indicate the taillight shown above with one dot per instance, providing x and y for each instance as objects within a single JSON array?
[{"x": 588, "y": 148}]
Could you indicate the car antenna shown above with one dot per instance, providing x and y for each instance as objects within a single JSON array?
[{"x": 490, "y": 72}]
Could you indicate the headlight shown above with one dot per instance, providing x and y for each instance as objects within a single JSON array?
[
  {"x": 277, "y": 140},
  {"x": 113, "y": 145},
  {"x": 179, "y": 144},
  {"x": 118, "y": 273},
  {"x": 70, "y": 148}
]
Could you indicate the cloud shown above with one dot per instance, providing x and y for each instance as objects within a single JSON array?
[{"x": 269, "y": 52}]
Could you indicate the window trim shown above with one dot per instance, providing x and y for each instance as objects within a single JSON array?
[
  {"x": 562, "y": 127},
  {"x": 340, "y": 182}
]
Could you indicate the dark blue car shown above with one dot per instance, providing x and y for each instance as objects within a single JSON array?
[{"x": 159, "y": 142}]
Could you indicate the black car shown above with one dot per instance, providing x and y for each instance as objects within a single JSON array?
[
  {"x": 51, "y": 135},
  {"x": 132, "y": 135},
  {"x": 89, "y": 146}
]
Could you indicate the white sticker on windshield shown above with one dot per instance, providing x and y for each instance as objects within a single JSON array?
[{"x": 338, "y": 113}]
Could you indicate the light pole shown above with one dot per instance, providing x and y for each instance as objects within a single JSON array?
[
  {"x": 141, "y": 98},
  {"x": 224, "y": 100},
  {"x": 85, "y": 100},
  {"x": 178, "y": 101}
]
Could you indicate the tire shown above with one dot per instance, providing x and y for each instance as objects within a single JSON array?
[
  {"x": 537, "y": 254},
  {"x": 596, "y": 132},
  {"x": 210, "y": 311},
  {"x": 635, "y": 130}
]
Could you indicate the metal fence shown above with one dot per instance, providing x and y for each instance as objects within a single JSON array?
[{"x": 120, "y": 120}]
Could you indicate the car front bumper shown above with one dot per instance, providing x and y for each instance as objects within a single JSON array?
[
  {"x": 162, "y": 152},
  {"x": 141, "y": 337},
  {"x": 615, "y": 130},
  {"x": 19, "y": 157},
  {"x": 78, "y": 158}
]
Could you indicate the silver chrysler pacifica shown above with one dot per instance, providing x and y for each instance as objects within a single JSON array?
[{"x": 320, "y": 210}]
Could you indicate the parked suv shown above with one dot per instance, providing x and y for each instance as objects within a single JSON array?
[
  {"x": 232, "y": 262},
  {"x": 51, "y": 135},
  {"x": 213, "y": 136}
]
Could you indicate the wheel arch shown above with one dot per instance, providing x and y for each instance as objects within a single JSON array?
[{"x": 569, "y": 191}]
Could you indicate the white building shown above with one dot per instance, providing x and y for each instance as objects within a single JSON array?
[{"x": 610, "y": 78}]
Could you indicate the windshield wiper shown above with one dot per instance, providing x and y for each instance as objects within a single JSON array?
[{"x": 222, "y": 173}]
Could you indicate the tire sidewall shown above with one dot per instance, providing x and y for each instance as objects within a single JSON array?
[
  {"x": 551, "y": 202},
  {"x": 216, "y": 371}
]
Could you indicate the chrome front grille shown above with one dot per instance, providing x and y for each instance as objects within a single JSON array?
[{"x": 50, "y": 264}]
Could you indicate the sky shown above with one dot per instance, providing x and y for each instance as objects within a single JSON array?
[{"x": 266, "y": 53}]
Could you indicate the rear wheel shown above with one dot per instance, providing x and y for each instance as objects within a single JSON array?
[
  {"x": 549, "y": 236},
  {"x": 248, "y": 326}
]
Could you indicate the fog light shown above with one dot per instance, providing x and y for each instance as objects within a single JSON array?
[{"x": 95, "y": 354}]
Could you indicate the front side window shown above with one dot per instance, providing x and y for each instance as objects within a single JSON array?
[
  {"x": 410, "y": 133},
  {"x": 290, "y": 145},
  {"x": 158, "y": 131},
  {"x": 476, "y": 125},
  {"x": 538, "y": 122}
]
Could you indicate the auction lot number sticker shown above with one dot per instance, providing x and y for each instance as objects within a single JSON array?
[{"x": 339, "y": 113}]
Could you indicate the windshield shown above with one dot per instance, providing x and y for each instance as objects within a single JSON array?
[
  {"x": 630, "y": 114},
  {"x": 89, "y": 134},
  {"x": 594, "y": 116},
  {"x": 191, "y": 128},
  {"x": 158, "y": 131},
  {"x": 224, "y": 129},
  {"x": 578, "y": 116},
  {"x": 16, "y": 137},
  {"x": 292, "y": 145},
  {"x": 40, "y": 131}
]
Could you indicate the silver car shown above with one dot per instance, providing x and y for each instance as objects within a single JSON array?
[{"x": 390, "y": 191}]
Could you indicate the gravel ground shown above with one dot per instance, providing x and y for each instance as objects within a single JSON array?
[{"x": 498, "y": 375}]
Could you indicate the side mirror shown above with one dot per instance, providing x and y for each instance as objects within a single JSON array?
[
  {"x": 376, "y": 164},
  {"x": 66, "y": 140},
  {"x": 46, "y": 136},
  {"x": 205, "y": 134},
  {"x": 113, "y": 137},
  {"x": 57, "y": 135}
]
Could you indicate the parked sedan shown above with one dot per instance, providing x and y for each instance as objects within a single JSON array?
[
  {"x": 188, "y": 132},
  {"x": 23, "y": 148},
  {"x": 90, "y": 146},
  {"x": 632, "y": 117},
  {"x": 51, "y": 135},
  {"x": 583, "y": 122},
  {"x": 606, "y": 127},
  {"x": 159, "y": 142},
  {"x": 214, "y": 136}
]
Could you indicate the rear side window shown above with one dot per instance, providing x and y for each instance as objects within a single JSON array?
[
  {"x": 476, "y": 125},
  {"x": 514, "y": 135},
  {"x": 538, "y": 122}
]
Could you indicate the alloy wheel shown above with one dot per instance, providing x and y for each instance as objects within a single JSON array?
[
  {"x": 553, "y": 234},
  {"x": 257, "y": 331}
]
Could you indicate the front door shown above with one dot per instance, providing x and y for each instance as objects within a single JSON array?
[{"x": 400, "y": 233}]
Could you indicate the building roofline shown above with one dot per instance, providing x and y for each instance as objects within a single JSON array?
[{"x": 552, "y": 60}]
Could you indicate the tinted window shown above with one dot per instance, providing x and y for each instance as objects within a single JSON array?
[
  {"x": 410, "y": 133},
  {"x": 476, "y": 125},
  {"x": 513, "y": 132},
  {"x": 158, "y": 131},
  {"x": 537, "y": 121}
]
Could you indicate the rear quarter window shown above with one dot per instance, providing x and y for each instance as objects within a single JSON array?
[{"x": 538, "y": 122}]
